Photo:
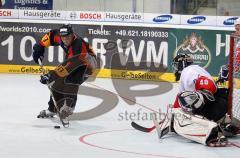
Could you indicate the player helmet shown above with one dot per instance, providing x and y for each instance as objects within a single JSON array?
[
  {"x": 65, "y": 30},
  {"x": 179, "y": 63},
  {"x": 190, "y": 101}
]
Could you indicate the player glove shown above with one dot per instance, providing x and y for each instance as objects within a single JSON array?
[
  {"x": 38, "y": 52},
  {"x": 44, "y": 79}
]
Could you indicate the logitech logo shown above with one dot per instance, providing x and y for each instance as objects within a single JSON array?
[
  {"x": 196, "y": 20},
  {"x": 230, "y": 21},
  {"x": 162, "y": 18}
]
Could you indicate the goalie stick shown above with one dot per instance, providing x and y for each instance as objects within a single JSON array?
[
  {"x": 234, "y": 144},
  {"x": 161, "y": 132},
  {"x": 65, "y": 124},
  {"x": 142, "y": 128},
  {"x": 224, "y": 144},
  {"x": 156, "y": 125}
]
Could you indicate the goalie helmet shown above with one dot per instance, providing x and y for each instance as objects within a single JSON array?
[
  {"x": 65, "y": 30},
  {"x": 179, "y": 63},
  {"x": 190, "y": 101}
]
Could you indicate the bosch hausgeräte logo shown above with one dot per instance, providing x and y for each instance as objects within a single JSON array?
[
  {"x": 5, "y": 13},
  {"x": 230, "y": 21},
  {"x": 90, "y": 16},
  {"x": 73, "y": 15},
  {"x": 196, "y": 19},
  {"x": 162, "y": 18}
]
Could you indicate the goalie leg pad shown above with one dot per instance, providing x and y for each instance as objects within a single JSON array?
[{"x": 194, "y": 127}]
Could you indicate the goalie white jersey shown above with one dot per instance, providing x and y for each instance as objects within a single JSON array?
[{"x": 194, "y": 78}]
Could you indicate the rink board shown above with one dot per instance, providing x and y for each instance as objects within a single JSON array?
[
  {"x": 145, "y": 51},
  {"x": 101, "y": 73}
]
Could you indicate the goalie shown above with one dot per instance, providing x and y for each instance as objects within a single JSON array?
[
  {"x": 79, "y": 63},
  {"x": 199, "y": 111}
]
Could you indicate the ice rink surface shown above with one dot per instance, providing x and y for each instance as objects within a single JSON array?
[{"x": 100, "y": 133}]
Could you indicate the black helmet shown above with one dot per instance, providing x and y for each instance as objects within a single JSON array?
[
  {"x": 179, "y": 63},
  {"x": 65, "y": 30}
]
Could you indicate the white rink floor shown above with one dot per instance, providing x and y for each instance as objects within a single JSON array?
[{"x": 22, "y": 135}]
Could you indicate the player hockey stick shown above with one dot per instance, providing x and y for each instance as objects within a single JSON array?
[{"x": 65, "y": 124}]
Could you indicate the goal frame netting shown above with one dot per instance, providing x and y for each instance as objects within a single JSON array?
[{"x": 234, "y": 74}]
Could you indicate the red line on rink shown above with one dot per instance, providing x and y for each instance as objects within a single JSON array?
[{"x": 84, "y": 141}]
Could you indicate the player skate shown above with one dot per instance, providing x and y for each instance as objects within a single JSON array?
[{"x": 46, "y": 114}]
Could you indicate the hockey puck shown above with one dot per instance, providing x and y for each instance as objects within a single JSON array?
[{"x": 57, "y": 127}]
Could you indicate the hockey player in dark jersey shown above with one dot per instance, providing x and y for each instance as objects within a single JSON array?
[{"x": 79, "y": 63}]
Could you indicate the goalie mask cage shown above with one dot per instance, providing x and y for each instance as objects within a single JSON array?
[{"x": 234, "y": 79}]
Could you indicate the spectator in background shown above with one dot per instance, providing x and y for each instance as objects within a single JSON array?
[{"x": 237, "y": 27}]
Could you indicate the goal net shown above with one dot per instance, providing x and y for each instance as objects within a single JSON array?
[{"x": 234, "y": 79}]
